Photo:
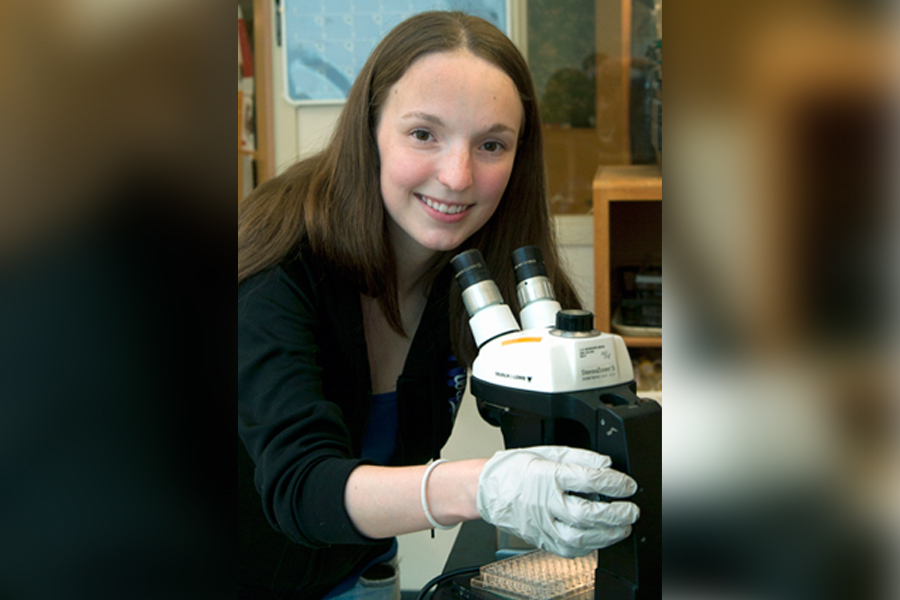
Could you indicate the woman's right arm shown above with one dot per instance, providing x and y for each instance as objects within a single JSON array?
[
  {"x": 539, "y": 494},
  {"x": 386, "y": 501}
]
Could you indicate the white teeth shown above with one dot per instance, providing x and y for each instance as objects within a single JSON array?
[{"x": 443, "y": 208}]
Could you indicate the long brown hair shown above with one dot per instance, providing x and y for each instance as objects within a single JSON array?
[{"x": 332, "y": 201}]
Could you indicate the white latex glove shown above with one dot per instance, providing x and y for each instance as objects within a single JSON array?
[{"x": 524, "y": 492}]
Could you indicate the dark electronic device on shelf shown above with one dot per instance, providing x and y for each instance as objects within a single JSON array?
[
  {"x": 556, "y": 380},
  {"x": 641, "y": 303}
]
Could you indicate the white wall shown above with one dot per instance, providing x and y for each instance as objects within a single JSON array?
[
  {"x": 575, "y": 238},
  {"x": 301, "y": 131}
]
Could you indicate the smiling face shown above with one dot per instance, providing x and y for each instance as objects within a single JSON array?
[{"x": 447, "y": 137}]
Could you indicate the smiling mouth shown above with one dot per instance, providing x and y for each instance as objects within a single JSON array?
[{"x": 447, "y": 209}]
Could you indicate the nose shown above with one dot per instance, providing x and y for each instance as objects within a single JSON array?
[{"x": 455, "y": 171}]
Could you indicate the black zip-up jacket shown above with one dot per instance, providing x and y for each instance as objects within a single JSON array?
[{"x": 304, "y": 395}]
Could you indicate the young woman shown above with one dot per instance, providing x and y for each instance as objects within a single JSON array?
[{"x": 353, "y": 342}]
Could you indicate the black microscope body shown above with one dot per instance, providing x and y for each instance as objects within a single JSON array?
[
  {"x": 612, "y": 421},
  {"x": 555, "y": 380}
]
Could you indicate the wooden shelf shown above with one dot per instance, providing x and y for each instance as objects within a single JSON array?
[
  {"x": 642, "y": 342},
  {"x": 627, "y": 183},
  {"x": 612, "y": 185},
  {"x": 263, "y": 27}
]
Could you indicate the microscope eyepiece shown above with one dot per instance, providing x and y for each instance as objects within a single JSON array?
[
  {"x": 478, "y": 288},
  {"x": 528, "y": 262},
  {"x": 533, "y": 288},
  {"x": 489, "y": 316},
  {"x": 469, "y": 268}
]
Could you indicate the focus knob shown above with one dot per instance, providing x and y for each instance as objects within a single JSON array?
[{"x": 575, "y": 321}]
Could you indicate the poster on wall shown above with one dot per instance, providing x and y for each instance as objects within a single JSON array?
[{"x": 325, "y": 43}]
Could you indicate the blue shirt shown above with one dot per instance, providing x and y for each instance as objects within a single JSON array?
[
  {"x": 380, "y": 439},
  {"x": 379, "y": 443}
]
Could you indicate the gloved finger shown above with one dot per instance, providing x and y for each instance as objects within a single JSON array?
[
  {"x": 588, "y": 514},
  {"x": 550, "y": 543},
  {"x": 574, "y": 539},
  {"x": 578, "y": 456},
  {"x": 606, "y": 481},
  {"x": 564, "y": 550}
]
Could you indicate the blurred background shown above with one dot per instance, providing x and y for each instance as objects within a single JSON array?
[
  {"x": 115, "y": 363},
  {"x": 781, "y": 248},
  {"x": 781, "y": 238}
]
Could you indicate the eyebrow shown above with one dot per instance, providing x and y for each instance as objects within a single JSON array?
[{"x": 496, "y": 128}]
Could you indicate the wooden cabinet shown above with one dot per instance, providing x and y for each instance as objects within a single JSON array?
[
  {"x": 627, "y": 232},
  {"x": 258, "y": 163},
  {"x": 245, "y": 158}
]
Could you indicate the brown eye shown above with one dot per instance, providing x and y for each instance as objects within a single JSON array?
[{"x": 421, "y": 135}]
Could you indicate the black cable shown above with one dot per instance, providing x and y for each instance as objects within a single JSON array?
[{"x": 444, "y": 577}]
